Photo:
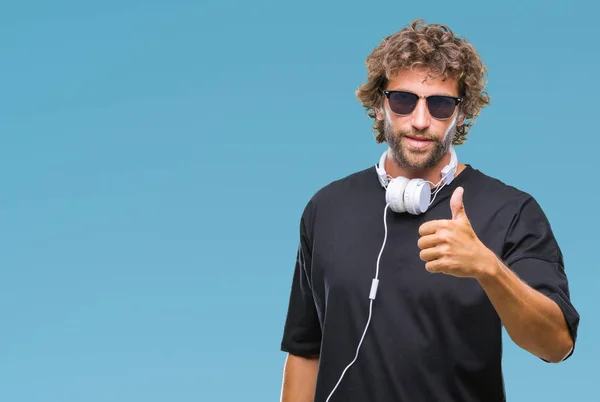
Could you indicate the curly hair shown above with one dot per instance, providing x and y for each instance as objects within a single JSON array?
[{"x": 442, "y": 53}]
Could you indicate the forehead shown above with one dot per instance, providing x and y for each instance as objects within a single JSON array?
[{"x": 417, "y": 81}]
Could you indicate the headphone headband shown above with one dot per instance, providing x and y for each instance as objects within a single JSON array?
[
  {"x": 381, "y": 173},
  {"x": 450, "y": 169}
]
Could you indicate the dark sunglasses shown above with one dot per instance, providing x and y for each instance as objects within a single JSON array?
[{"x": 404, "y": 103}]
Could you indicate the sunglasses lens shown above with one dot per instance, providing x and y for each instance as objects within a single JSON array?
[
  {"x": 402, "y": 102},
  {"x": 441, "y": 107}
]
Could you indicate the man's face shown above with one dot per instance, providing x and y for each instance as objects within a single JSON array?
[{"x": 419, "y": 140}]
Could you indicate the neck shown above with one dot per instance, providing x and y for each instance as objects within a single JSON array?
[{"x": 432, "y": 174}]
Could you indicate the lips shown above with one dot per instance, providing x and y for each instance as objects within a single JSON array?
[{"x": 418, "y": 142}]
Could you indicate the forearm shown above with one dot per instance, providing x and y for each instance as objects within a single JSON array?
[
  {"x": 533, "y": 321},
  {"x": 299, "y": 379}
]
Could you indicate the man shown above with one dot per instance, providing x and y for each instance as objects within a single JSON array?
[{"x": 401, "y": 289}]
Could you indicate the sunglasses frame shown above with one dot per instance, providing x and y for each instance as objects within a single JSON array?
[{"x": 457, "y": 101}]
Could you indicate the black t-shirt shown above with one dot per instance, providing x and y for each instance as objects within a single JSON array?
[{"x": 432, "y": 337}]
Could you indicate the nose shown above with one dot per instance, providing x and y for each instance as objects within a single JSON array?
[{"x": 420, "y": 116}]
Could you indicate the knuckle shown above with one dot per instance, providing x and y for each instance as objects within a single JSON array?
[{"x": 444, "y": 235}]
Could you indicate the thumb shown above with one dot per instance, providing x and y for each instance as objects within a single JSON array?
[{"x": 456, "y": 204}]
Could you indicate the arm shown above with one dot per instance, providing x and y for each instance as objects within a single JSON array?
[
  {"x": 533, "y": 321},
  {"x": 299, "y": 379},
  {"x": 302, "y": 331},
  {"x": 529, "y": 291}
]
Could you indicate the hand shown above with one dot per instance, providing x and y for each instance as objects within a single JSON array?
[{"x": 451, "y": 246}]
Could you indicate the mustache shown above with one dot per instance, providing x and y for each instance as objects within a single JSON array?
[{"x": 418, "y": 133}]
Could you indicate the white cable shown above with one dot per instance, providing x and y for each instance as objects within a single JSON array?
[
  {"x": 372, "y": 294},
  {"x": 435, "y": 193}
]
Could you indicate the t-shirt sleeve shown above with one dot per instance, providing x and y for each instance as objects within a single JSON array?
[
  {"x": 302, "y": 330},
  {"x": 532, "y": 252}
]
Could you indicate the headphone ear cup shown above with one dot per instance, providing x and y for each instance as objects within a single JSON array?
[
  {"x": 394, "y": 194},
  {"x": 417, "y": 196}
]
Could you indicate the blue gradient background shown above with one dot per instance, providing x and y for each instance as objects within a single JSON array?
[{"x": 155, "y": 158}]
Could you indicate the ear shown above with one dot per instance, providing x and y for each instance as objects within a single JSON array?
[
  {"x": 379, "y": 114},
  {"x": 461, "y": 119}
]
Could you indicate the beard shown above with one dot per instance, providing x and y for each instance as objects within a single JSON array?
[{"x": 418, "y": 159}]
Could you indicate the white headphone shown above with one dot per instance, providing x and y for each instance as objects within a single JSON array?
[{"x": 412, "y": 196}]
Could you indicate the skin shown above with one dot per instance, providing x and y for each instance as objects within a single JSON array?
[
  {"x": 299, "y": 379},
  {"x": 451, "y": 247}
]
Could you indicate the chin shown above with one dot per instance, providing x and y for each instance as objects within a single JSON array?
[{"x": 417, "y": 158}]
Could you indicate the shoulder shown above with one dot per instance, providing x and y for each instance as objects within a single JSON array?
[
  {"x": 351, "y": 184},
  {"x": 513, "y": 208},
  {"x": 503, "y": 213},
  {"x": 354, "y": 186},
  {"x": 492, "y": 193}
]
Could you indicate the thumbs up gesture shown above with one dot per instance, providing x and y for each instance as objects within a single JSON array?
[{"x": 451, "y": 246}]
